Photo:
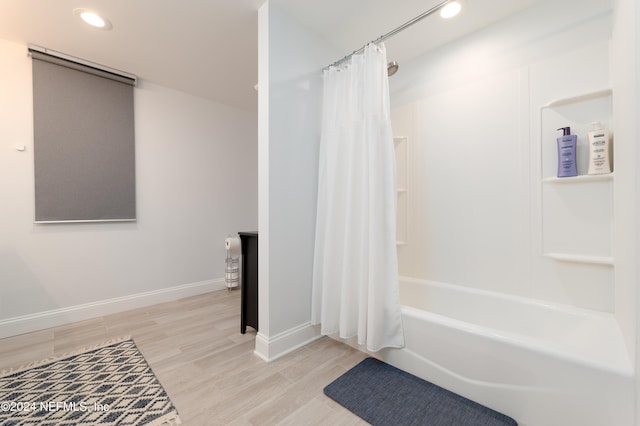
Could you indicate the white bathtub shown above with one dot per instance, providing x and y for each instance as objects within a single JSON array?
[{"x": 540, "y": 363}]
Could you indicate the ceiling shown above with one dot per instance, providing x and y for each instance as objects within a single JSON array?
[
  {"x": 209, "y": 48},
  {"x": 204, "y": 47},
  {"x": 361, "y": 21}
]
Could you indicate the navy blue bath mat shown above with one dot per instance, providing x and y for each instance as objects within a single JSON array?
[{"x": 384, "y": 395}]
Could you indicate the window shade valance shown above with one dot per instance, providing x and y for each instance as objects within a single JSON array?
[{"x": 84, "y": 66}]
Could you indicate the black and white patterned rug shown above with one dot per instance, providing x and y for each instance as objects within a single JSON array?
[{"x": 108, "y": 384}]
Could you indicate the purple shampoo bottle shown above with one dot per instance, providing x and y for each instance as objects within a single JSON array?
[{"x": 567, "y": 153}]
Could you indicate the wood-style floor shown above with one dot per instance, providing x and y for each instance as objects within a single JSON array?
[{"x": 207, "y": 367}]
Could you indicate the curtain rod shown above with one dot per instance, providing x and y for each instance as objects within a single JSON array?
[{"x": 392, "y": 32}]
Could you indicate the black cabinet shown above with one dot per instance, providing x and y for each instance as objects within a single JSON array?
[{"x": 249, "y": 282}]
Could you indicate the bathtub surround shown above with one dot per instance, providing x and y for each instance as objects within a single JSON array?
[
  {"x": 535, "y": 267},
  {"x": 364, "y": 390},
  {"x": 355, "y": 270},
  {"x": 483, "y": 229},
  {"x": 540, "y": 363}
]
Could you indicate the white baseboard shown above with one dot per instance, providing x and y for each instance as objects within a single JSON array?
[
  {"x": 56, "y": 317},
  {"x": 272, "y": 348}
]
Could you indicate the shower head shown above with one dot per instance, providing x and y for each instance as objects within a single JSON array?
[{"x": 392, "y": 68}]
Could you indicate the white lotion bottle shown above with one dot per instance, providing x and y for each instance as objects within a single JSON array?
[{"x": 599, "y": 162}]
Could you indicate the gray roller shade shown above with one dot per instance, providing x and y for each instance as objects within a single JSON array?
[{"x": 84, "y": 145}]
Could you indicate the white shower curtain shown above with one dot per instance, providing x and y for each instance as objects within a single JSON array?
[{"x": 355, "y": 274}]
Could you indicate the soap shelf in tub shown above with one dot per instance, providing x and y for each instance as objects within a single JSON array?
[
  {"x": 578, "y": 258},
  {"x": 579, "y": 98},
  {"x": 579, "y": 179},
  {"x": 576, "y": 212}
]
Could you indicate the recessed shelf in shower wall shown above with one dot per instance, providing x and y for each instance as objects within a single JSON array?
[
  {"x": 579, "y": 179},
  {"x": 576, "y": 212},
  {"x": 577, "y": 112},
  {"x": 400, "y": 145},
  {"x": 576, "y": 258},
  {"x": 584, "y": 97}
]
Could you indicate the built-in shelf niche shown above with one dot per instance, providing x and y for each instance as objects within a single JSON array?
[
  {"x": 400, "y": 145},
  {"x": 577, "y": 212},
  {"x": 576, "y": 258},
  {"x": 579, "y": 179}
]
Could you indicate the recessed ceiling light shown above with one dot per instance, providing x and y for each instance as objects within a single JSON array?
[
  {"x": 92, "y": 18},
  {"x": 450, "y": 9}
]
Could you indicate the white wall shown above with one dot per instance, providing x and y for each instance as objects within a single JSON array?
[
  {"x": 479, "y": 148},
  {"x": 291, "y": 60},
  {"x": 535, "y": 34},
  {"x": 196, "y": 182},
  {"x": 626, "y": 54}
]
